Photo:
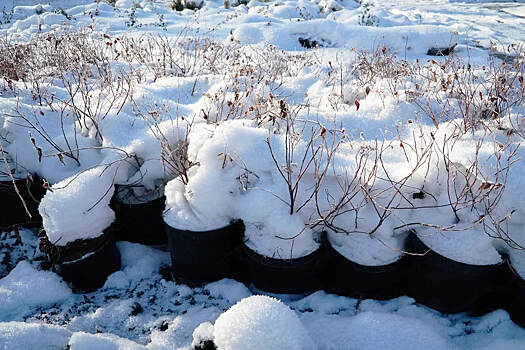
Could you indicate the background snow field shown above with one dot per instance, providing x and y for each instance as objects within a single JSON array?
[{"x": 295, "y": 117}]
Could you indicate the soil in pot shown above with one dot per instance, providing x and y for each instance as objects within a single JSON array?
[
  {"x": 450, "y": 286},
  {"x": 12, "y": 209},
  {"x": 85, "y": 264},
  {"x": 285, "y": 276},
  {"x": 138, "y": 219},
  {"x": 349, "y": 278},
  {"x": 200, "y": 257}
]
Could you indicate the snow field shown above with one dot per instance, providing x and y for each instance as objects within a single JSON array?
[{"x": 402, "y": 149}]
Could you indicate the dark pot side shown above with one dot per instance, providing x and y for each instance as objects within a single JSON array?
[
  {"x": 441, "y": 51},
  {"x": 345, "y": 277},
  {"x": 514, "y": 298},
  {"x": 285, "y": 276},
  {"x": 12, "y": 211},
  {"x": 86, "y": 264},
  {"x": 139, "y": 223},
  {"x": 202, "y": 257},
  {"x": 450, "y": 286}
]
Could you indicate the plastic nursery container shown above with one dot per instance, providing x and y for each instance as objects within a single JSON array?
[
  {"x": 441, "y": 51},
  {"x": 205, "y": 256},
  {"x": 345, "y": 277},
  {"x": 290, "y": 276},
  {"x": 514, "y": 299},
  {"x": 85, "y": 264},
  {"x": 12, "y": 211},
  {"x": 138, "y": 220},
  {"x": 450, "y": 286}
]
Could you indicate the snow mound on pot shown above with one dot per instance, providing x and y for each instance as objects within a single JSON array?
[
  {"x": 469, "y": 246},
  {"x": 260, "y": 322},
  {"x": 78, "y": 207},
  {"x": 30, "y": 336},
  {"x": 25, "y": 288},
  {"x": 248, "y": 34}
]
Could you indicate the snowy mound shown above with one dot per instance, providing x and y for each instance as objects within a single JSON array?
[
  {"x": 78, "y": 208},
  {"x": 371, "y": 330},
  {"x": 260, "y": 322},
  {"x": 467, "y": 246},
  {"x": 29, "y": 336},
  {"x": 26, "y": 287}
]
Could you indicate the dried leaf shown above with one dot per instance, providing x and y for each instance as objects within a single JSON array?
[
  {"x": 61, "y": 158},
  {"x": 357, "y": 104}
]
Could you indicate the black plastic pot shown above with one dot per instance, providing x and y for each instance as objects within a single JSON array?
[
  {"x": 514, "y": 299},
  {"x": 85, "y": 264},
  {"x": 203, "y": 257},
  {"x": 284, "y": 276},
  {"x": 139, "y": 223},
  {"x": 345, "y": 277},
  {"x": 12, "y": 211},
  {"x": 450, "y": 286},
  {"x": 441, "y": 51}
]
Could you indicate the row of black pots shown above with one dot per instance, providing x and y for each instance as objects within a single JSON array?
[
  {"x": 85, "y": 264},
  {"x": 431, "y": 279},
  {"x": 12, "y": 210},
  {"x": 201, "y": 257}
]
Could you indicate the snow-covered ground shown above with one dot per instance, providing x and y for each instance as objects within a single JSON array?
[
  {"x": 211, "y": 121},
  {"x": 139, "y": 309}
]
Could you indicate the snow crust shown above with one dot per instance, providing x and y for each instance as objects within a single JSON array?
[
  {"x": 29, "y": 336},
  {"x": 25, "y": 288},
  {"x": 86, "y": 341},
  {"x": 375, "y": 330},
  {"x": 260, "y": 322}
]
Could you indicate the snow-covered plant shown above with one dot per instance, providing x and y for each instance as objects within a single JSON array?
[
  {"x": 366, "y": 17},
  {"x": 194, "y": 5},
  {"x": 6, "y": 15},
  {"x": 312, "y": 156},
  {"x": 172, "y": 136}
]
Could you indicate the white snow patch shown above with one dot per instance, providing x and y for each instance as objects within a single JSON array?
[
  {"x": 86, "y": 341},
  {"x": 25, "y": 288},
  {"x": 260, "y": 322},
  {"x": 31, "y": 336}
]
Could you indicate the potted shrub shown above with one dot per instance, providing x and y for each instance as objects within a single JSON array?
[
  {"x": 283, "y": 249},
  {"x": 365, "y": 258},
  {"x": 203, "y": 236},
  {"x": 456, "y": 266},
  {"x": 76, "y": 217},
  {"x": 455, "y": 271}
]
